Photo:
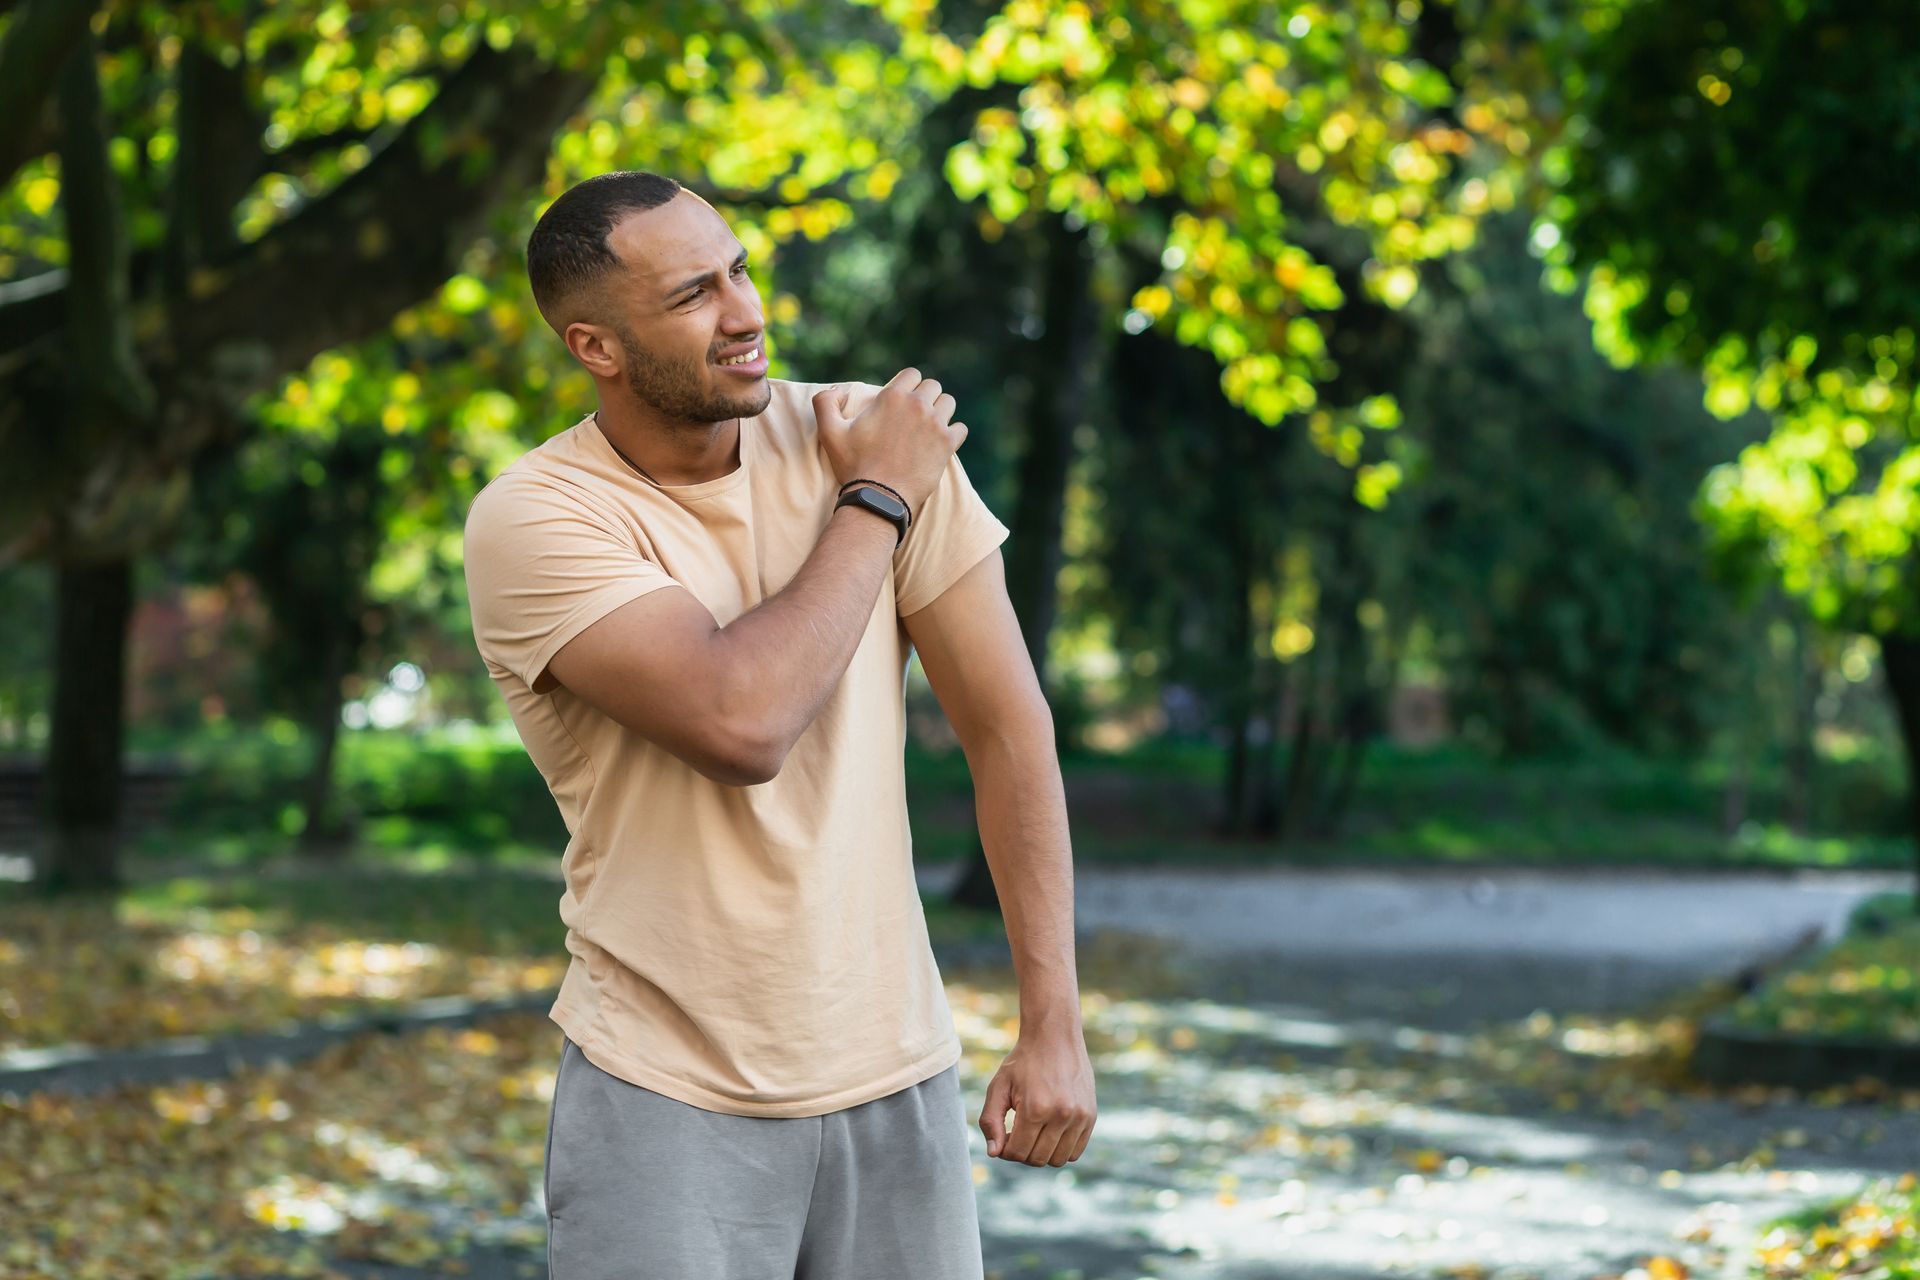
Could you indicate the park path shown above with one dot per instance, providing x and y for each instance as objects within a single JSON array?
[
  {"x": 1676, "y": 922},
  {"x": 1330, "y": 1117},
  {"x": 1338, "y": 1076}
]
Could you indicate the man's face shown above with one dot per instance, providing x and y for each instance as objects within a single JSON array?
[{"x": 685, "y": 301}]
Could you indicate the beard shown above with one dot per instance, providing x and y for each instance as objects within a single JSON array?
[{"x": 679, "y": 389}]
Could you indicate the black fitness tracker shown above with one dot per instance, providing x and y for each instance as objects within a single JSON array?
[{"x": 882, "y": 504}]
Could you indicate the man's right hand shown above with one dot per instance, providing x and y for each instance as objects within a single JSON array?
[{"x": 903, "y": 437}]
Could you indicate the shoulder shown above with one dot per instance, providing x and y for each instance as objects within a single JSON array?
[
  {"x": 788, "y": 420},
  {"x": 526, "y": 497},
  {"x": 796, "y": 397},
  {"x": 557, "y": 470}
]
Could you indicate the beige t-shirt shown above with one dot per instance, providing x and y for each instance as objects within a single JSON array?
[{"x": 755, "y": 950}]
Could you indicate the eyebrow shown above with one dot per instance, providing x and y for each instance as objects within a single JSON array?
[{"x": 703, "y": 278}]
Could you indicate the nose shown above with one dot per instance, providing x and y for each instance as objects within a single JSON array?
[{"x": 742, "y": 314}]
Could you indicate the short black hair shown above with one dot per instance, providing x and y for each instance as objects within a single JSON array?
[{"x": 568, "y": 248}]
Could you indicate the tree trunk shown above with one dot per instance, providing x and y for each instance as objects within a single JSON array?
[
  {"x": 1303, "y": 760},
  {"x": 1733, "y": 801},
  {"x": 1233, "y": 798},
  {"x": 325, "y": 836},
  {"x": 1797, "y": 803},
  {"x": 1350, "y": 753},
  {"x": 1367, "y": 719},
  {"x": 1900, "y": 657},
  {"x": 1241, "y": 700},
  {"x": 1263, "y": 811},
  {"x": 1059, "y": 372},
  {"x": 83, "y": 767}
]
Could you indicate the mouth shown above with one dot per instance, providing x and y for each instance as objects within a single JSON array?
[{"x": 753, "y": 365}]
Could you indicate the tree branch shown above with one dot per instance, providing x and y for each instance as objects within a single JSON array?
[
  {"x": 32, "y": 308},
  {"x": 106, "y": 374},
  {"x": 218, "y": 159},
  {"x": 36, "y": 47},
  {"x": 388, "y": 235},
  {"x": 334, "y": 273},
  {"x": 313, "y": 146}
]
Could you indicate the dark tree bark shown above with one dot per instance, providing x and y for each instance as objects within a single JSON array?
[
  {"x": 84, "y": 773},
  {"x": 1237, "y": 642},
  {"x": 1263, "y": 814},
  {"x": 38, "y": 43},
  {"x": 219, "y": 158},
  {"x": 1801, "y": 759},
  {"x": 134, "y": 411},
  {"x": 325, "y": 835},
  {"x": 1900, "y": 656},
  {"x": 1059, "y": 371},
  {"x": 382, "y": 240},
  {"x": 1060, "y": 368},
  {"x": 1302, "y": 753}
]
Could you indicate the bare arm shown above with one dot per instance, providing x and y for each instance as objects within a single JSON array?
[
  {"x": 970, "y": 645},
  {"x": 732, "y": 700},
  {"x": 780, "y": 661},
  {"x": 976, "y": 662}
]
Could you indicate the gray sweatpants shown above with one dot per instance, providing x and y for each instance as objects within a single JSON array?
[{"x": 640, "y": 1186}]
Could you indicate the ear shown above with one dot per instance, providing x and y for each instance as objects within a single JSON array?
[{"x": 597, "y": 348}]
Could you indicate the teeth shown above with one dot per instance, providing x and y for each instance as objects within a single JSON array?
[{"x": 750, "y": 356}]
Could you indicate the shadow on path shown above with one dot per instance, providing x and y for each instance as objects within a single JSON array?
[{"x": 1266, "y": 1116}]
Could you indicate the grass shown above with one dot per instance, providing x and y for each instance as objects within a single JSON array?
[
  {"x": 1451, "y": 806},
  {"x": 1874, "y": 1234},
  {"x": 444, "y": 798},
  {"x": 1867, "y": 985}
]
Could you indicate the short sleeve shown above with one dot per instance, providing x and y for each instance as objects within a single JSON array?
[
  {"x": 541, "y": 567},
  {"x": 953, "y": 531}
]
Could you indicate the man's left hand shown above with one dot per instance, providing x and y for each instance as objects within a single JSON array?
[{"x": 1047, "y": 1081}]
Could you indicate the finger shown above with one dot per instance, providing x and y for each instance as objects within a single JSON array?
[
  {"x": 943, "y": 406},
  {"x": 1080, "y": 1147},
  {"x": 1019, "y": 1143},
  {"x": 928, "y": 390},
  {"x": 1047, "y": 1143},
  {"x": 827, "y": 405},
  {"x": 960, "y": 438},
  {"x": 993, "y": 1115},
  {"x": 906, "y": 379},
  {"x": 1068, "y": 1142}
]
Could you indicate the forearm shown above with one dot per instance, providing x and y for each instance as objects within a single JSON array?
[
  {"x": 783, "y": 657},
  {"x": 1022, "y": 810}
]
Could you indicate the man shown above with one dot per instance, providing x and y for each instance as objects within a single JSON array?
[{"x": 698, "y": 603}]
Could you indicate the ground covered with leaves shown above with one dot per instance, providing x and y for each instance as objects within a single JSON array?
[
  {"x": 1865, "y": 986},
  {"x": 1876, "y": 1233},
  {"x": 211, "y": 955},
  {"x": 1259, "y": 1115}
]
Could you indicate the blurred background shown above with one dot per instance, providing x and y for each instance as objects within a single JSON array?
[{"x": 1461, "y": 463}]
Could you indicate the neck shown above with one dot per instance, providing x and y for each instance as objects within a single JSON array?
[{"x": 680, "y": 454}]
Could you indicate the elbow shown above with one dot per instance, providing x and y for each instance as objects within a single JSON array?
[
  {"x": 747, "y": 759},
  {"x": 1023, "y": 737},
  {"x": 746, "y": 746}
]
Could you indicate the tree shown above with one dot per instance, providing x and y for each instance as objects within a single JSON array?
[
  {"x": 1786, "y": 273},
  {"x": 1268, "y": 167},
  {"x": 207, "y": 197},
  {"x": 1562, "y": 568}
]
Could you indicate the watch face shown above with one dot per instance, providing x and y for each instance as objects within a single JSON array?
[{"x": 881, "y": 500}]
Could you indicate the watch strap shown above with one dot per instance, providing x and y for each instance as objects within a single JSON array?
[{"x": 858, "y": 497}]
